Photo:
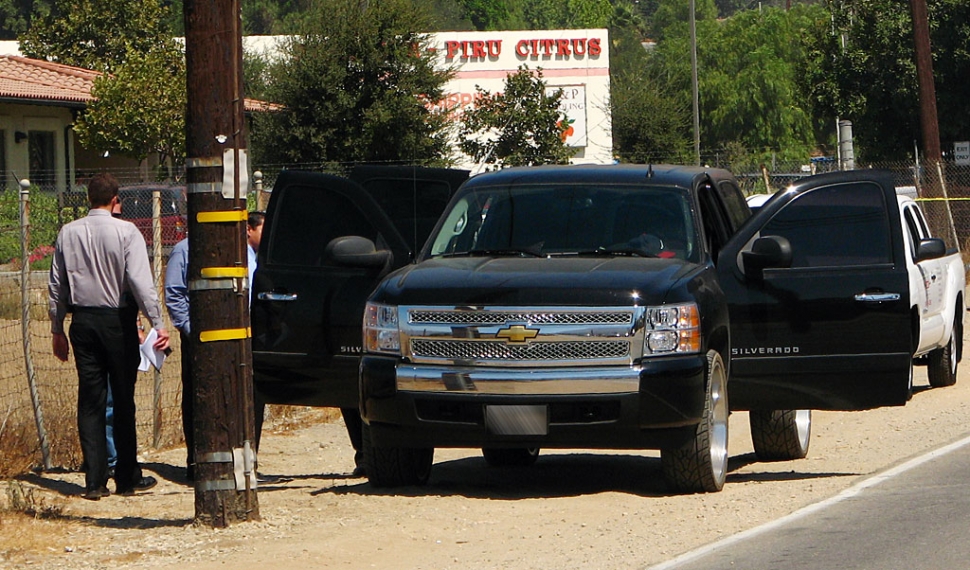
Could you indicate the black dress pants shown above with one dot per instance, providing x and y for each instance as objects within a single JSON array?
[{"x": 105, "y": 343}]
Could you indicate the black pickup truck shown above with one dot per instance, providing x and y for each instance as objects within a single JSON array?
[{"x": 614, "y": 307}]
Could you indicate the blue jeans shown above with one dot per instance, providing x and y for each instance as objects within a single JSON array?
[{"x": 109, "y": 429}]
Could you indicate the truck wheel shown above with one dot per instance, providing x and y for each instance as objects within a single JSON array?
[
  {"x": 942, "y": 369},
  {"x": 396, "y": 466},
  {"x": 700, "y": 465},
  {"x": 780, "y": 435},
  {"x": 515, "y": 457}
]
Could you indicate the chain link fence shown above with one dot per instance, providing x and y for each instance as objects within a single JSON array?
[{"x": 38, "y": 393}]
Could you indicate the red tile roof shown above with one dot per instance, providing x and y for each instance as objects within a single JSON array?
[{"x": 35, "y": 80}]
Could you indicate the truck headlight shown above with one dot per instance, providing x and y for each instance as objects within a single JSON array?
[
  {"x": 672, "y": 329},
  {"x": 381, "y": 332}
]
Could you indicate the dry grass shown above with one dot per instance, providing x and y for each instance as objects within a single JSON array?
[
  {"x": 28, "y": 524},
  {"x": 283, "y": 419},
  {"x": 18, "y": 451}
]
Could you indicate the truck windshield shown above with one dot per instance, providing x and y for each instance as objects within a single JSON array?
[{"x": 569, "y": 219}]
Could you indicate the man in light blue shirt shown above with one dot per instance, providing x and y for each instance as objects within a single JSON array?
[{"x": 177, "y": 303}]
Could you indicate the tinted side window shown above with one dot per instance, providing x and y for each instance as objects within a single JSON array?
[
  {"x": 912, "y": 232},
  {"x": 734, "y": 204},
  {"x": 413, "y": 216},
  {"x": 299, "y": 236},
  {"x": 845, "y": 224}
]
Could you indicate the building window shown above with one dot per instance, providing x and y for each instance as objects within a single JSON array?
[{"x": 42, "y": 166}]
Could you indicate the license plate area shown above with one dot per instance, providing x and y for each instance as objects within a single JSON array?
[{"x": 517, "y": 420}]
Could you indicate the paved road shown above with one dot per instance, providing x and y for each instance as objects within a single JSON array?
[{"x": 914, "y": 516}]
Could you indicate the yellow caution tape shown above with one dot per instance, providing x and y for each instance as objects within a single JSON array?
[
  {"x": 225, "y": 216},
  {"x": 225, "y": 334},
  {"x": 224, "y": 272},
  {"x": 941, "y": 199}
]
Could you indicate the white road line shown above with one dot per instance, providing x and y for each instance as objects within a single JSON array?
[{"x": 811, "y": 509}]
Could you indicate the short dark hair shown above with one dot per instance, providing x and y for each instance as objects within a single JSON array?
[
  {"x": 255, "y": 219},
  {"x": 101, "y": 189}
]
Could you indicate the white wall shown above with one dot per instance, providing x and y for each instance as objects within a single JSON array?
[{"x": 575, "y": 60}]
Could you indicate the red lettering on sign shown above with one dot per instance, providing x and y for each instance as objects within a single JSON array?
[
  {"x": 451, "y": 48},
  {"x": 530, "y": 48}
]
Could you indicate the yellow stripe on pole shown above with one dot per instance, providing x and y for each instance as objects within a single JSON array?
[
  {"x": 225, "y": 334},
  {"x": 224, "y": 272},
  {"x": 224, "y": 216},
  {"x": 941, "y": 199}
]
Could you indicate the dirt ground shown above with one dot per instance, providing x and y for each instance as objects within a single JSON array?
[{"x": 573, "y": 509}]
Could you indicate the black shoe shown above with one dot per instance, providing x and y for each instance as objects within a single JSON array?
[
  {"x": 359, "y": 471},
  {"x": 96, "y": 494},
  {"x": 143, "y": 484}
]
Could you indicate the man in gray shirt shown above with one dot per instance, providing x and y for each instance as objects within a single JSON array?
[{"x": 97, "y": 259}]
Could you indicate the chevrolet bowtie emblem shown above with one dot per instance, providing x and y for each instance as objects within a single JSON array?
[{"x": 517, "y": 333}]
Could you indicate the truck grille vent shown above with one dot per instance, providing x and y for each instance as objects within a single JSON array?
[
  {"x": 502, "y": 317},
  {"x": 501, "y": 350}
]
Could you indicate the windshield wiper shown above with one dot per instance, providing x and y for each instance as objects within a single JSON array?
[
  {"x": 610, "y": 251},
  {"x": 500, "y": 252}
]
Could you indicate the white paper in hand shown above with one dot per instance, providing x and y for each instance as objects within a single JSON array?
[{"x": 150, "y": 356}]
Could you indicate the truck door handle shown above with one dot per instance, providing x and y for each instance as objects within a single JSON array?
[
  {"x": 271, "y": 296},
  {"x": 877, "y": 297}
]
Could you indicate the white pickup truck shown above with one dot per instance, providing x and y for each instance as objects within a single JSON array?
[{"x": 937, "y": 281}]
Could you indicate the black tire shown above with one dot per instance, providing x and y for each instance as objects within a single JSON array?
[
  {"x": 512, "y": 457},
  {"x": 943, "y": 362},
  {"x": 780, "y": 435},
  {"x": 396, "y": 466},
  {"x": 700, "y": 465}
]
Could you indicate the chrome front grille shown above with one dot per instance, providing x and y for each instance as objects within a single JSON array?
[
  {"x": 485, "y": 350},
  {"x": 503, "y": 336},
  {"x": 480, "y": 317}
]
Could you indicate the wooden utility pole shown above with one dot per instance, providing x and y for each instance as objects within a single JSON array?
[
  {"x": 929, "y": 125},
  {"x": 216, "y": 173}
]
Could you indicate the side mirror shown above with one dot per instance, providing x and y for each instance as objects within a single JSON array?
[
  {"x": 930, "y": 248},
  {"x": 356, "y": 251},
  {"x": 767, "y": 252}
]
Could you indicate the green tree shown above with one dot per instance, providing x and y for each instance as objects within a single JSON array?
[
  {"x": 16, "y": 16},
  {"x": 140, "y": 109},
  {"x": 486, "y": 14},
  {"x": 521, "y": 126},
  {"x": 751, "y": 79},
  {"x": 649, "y": 124},
  {"x": 97, "y": 35},
  {"x": 354, "y": 86},
  {"x": 672, "y": 16},
  {"x": 863, "y": 69},
  {"x": 552, "y": 14}
]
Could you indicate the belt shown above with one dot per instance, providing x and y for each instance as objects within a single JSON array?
[{"x": 100, "y": 310}]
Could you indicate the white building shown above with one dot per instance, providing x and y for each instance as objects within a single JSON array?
[{"x": 575, "y": 60}]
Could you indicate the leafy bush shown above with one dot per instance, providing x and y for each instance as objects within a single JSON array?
[{"x": 44, "y": 225}]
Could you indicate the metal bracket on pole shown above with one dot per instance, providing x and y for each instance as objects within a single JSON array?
[
  {"x": 244, "y": 467},
  {"x": 208, "y": 162}
]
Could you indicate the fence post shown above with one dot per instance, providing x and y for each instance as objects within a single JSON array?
[
  {"x": 260, "y": 199},
  {"x": 25, "y": 320},
  {"x": 157, "y": 274}
]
